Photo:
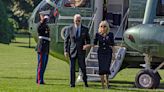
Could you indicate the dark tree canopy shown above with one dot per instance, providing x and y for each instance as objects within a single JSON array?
[
  {"x": 14, "y": 17},
  {"x": 20, "y": 10},
  {"x": 6, "y": 33}
]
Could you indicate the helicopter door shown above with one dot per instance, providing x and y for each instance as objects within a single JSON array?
[
  {"x": 116, "y": 64},
  {"x": 82, "y": 7},
  {"x": 75, "y": 3},
  {"x": 116, "y": 10}
]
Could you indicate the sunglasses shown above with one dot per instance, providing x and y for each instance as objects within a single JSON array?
[
  {"x": 77, "y": 20},
  {"x": 103, "y": 26}
]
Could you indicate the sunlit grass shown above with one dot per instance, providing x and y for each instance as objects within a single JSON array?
[{"x": 18, "y": 72}]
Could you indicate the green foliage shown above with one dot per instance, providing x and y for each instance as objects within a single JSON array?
[
  {"x": 6, "y": 33},
  {"x": 14, "y": 17},
  {"x": 14, "y": 24},
  {"x": 20, "y": 10}
]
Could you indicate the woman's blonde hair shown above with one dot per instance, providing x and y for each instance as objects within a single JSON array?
[{"x": 104, "y": 23}]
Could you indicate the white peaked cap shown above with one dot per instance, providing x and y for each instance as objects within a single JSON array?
[
  {"x": 162, "y": 23},
  {"x": 47, "y": 12},
  {"x": 46, "y": 17}
]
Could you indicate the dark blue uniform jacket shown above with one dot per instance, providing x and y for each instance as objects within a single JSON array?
[{"x": 43, "y": 45}]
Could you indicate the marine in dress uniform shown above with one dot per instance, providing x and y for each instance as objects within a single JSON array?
[{"x": 42, "y": 47}]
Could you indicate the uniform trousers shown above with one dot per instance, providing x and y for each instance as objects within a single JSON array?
[{"x": 42, "y": 63}]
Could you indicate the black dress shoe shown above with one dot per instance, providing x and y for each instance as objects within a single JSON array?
[
  {"x": 72, "y": 86},
  {"x": 108, "y": 86},
  {"x": 86, "y": 85},
  {"x": 42, "y": 83}
]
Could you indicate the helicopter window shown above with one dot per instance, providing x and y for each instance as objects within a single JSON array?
[
  {"x": 56, "y": 1},
  {"x": 47, "y": 7},
  {"x": 160, "y": 8},
  {"x": 77, "y": 3}
]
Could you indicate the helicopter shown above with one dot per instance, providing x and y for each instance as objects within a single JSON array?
[{"x": 147, "y": 38}]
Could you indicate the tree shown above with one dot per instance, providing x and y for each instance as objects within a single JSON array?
[
  {"x": 14, "y": 16},
  {"x": 20, "y": 10},
  {"x": 6, "y": 32}
]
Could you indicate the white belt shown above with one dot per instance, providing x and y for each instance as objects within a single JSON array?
[{"x": 45, "y": 38}]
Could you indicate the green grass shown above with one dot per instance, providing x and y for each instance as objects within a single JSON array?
[{"x": 18, "y": 71}]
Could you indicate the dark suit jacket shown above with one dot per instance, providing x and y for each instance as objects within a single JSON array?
[{"x": 74, "y": 45}]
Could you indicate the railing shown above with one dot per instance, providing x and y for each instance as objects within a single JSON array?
[
  {"x": 122, "y": 23},
  {"x": 90, "y": 25}
]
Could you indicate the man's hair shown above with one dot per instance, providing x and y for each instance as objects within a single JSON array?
[{"x": 77, "y": 15}]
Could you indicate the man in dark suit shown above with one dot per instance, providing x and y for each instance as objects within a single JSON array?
[{"x": 76, "y": 42}]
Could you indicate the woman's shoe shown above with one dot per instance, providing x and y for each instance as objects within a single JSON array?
[
  {"x": 108, "y": 86},
  {"x": 103, "y": 87}
]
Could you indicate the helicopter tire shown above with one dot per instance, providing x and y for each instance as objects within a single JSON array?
[{"x": 147, "y": 79}]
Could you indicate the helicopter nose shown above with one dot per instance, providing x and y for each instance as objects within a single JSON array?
[{"x": 131, "y": 37}]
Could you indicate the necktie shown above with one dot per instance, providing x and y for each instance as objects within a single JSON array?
[{"x": 77, "y": 32}]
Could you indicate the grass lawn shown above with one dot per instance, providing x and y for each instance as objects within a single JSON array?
[{"x": 18, "y": 71}]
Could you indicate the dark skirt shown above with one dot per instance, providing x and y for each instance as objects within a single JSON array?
[{"x": 104, "y": 60}]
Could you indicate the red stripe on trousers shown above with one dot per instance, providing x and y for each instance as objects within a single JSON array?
[{"x": 40, "y": 64}]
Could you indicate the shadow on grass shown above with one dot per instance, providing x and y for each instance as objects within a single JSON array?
[
  {"x": 16, "y": 77},
  {"x": 113, "y": 86},
  {"x": 161, "y": 86},
  {"x": 20, "y": 42},
  {"x": 125, "y": 86},
  {"x": 55, "y": 79},
  {"x": 57, "y": 84},
  {"x": 32, "y": 78},
  {"x": 121, "y": 82},
  {"x": 31, "y": 47},
  {"x": 26, "y": 45},
  {"x": 131, "y": 86}
]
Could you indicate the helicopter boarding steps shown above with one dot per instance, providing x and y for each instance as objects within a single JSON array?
[{"x": 92, "y": 68}]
